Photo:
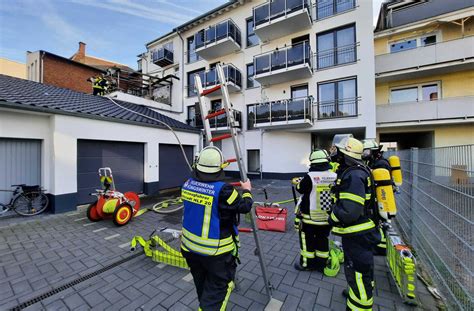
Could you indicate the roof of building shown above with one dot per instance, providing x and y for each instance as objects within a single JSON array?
[
  {"x": 196, "y": 19},
  {"x": 72, "y": 61},
  {"x": 33, "y": 96},
  {"x": 100, "y": 63}
]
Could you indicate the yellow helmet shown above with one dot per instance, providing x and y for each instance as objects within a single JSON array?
[
  {"x": 351, "y": 147},
  {"x": 319, "y": 156},
  {"x": 210, "y": 160},
  {"x": 371, "y": 144}
]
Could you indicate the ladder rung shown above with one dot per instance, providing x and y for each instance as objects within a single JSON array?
[
  {"x": 221, "y": 137},
  {"x": 211, "y": 90},
  {"x": 231, "y": 160},
  {"x": 235, "y": 184},
  {"x": 215, "y": 114}
]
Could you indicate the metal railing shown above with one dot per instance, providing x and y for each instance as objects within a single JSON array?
[
  {"x": 337, "y": 56},
  {"x": 219, "y": 122},
  {"x": 275, "y": 9},
  {"x": 285, "y": 110},
  {"x": 220, "y": 31},
  {"x": 209, "y": 78},
  {"x": 232, "y": 74},
  {"x": 327, "y": 8},
  {"x": 347, "y": 107},
  {"x": 283, "y": 58},
  {"x": 162, "y": 55},
  {"x": 436, "y": 216}
]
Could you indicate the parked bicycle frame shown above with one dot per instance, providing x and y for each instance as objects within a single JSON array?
[{"x": 26, "y": 200}]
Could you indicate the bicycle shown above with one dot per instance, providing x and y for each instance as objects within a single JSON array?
[{"x": 26, "y": 200}]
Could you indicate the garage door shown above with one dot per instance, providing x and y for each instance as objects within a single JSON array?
[
  {"x": 125, "y": 160},
  {"x": 20, "y": 163},
  {"x": 173, "y": 168}
]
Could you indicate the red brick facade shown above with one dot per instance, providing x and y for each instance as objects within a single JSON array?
[{"x": 67, "y": 74}]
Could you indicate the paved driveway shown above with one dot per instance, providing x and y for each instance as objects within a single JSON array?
[{"x": 42, "y": 254}]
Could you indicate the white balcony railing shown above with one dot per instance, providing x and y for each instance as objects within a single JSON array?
[
  {"x": 439, "y": 53},
  {"x": 426, "y": 111}
]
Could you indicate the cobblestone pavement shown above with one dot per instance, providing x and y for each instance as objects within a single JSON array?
[{"x": 41, "y": 254}]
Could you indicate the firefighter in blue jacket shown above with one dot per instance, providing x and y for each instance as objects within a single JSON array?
[
  {"x": 210, "y": 235},
  {"x": 351, "y": 219}
]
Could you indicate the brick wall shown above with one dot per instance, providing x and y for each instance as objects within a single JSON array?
[{"x": 66, "y": 74}]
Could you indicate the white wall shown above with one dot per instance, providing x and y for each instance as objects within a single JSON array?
[
  {"x": 60, "y": 133},
  {"x": 300, "y": 139}
]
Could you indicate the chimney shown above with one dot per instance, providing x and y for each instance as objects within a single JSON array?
[{"x": 82, "y": 50}]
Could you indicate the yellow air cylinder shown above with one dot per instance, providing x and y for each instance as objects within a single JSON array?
[
  {"x": 396, "y": 170},
  {"x": 384, "y": 192}
]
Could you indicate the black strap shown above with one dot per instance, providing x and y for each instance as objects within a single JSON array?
[
  {"x": 383, "y": 183},
  {"x": 396, "y": 168}
]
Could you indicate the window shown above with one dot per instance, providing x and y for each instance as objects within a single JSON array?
[
  {"x": 300, "y": 39},
  {"x": 337, "y": 99},
  {"x": 299, "y": 91},
  {"x": 326, "y": 8},
  {"x": 191, "y": 88},
  {"x": 191, "y": 116},
  {"x": 252, "y": 38},
  {"x": 253, "y": 159},
  {"x": 336, "y": 47},
  {"x": 251, "y": 116},
  {"x": 402, "y": 46},
  {"x": 428, "y": 40},
  {"x": 139, "y": 65},
  {"x": 216, "y": 104},
  {"x": 422, "y": 92},
  {"x": 192, "y": 56},
  {"x": 250, "y": 77}
]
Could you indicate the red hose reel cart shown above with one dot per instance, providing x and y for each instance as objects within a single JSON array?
[{"x": 112, "y": 204}]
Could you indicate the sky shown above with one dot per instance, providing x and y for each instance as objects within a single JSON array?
[{"x": 116, "y": 30}]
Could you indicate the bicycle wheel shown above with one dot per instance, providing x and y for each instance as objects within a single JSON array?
[
  {"x": 30, "y": 204},
  {"x": 4, "y": 208}
]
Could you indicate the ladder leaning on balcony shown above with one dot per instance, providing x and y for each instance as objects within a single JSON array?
[{"x": 229, "y": 110}]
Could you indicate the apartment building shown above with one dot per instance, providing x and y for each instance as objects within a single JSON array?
[
  {"x": 298, "y": 71},
  {"x": 424, "y": 73}
]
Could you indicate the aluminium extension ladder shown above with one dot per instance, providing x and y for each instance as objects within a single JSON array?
[{"x": 227, "y": 108}]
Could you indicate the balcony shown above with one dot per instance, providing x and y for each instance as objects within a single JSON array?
[
  {"x": 427, "y": 112},
  {"x": 440, "y": 58},
  {"x": 336, "y": 109},
  {"x": 340, "y": 55},
  {"x": 218, "y": 123},
  {"x": 162, "y": 57},
  {"x": 278, "y": 18},
  {"x": 283, "y": 65},
  {"x": 328, "y": 8},
  {"x": 209, "y": 79},
  {"x": 286, "y": 113},
  {"x": 218, "y": 40}
]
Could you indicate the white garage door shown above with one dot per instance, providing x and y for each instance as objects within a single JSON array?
[{"x": 20, "y": 163}]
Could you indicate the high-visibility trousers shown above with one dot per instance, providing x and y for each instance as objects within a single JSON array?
[
  {"x": 314, "y": 245},
  {"x": 213, "y": 277},
  {"x": 359, "y": 269}
]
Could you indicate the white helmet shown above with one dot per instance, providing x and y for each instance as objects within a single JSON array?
[
  {"x": 210, "y": 160},
  {"x": 351, "y": 147}
]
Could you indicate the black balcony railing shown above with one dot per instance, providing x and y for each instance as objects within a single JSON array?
[
  {"x": 338, "y": 56},
  {"x": 327, "y": 8},
  {"x": 231, "y": 73},
  {"x": 274, "y": 9},
  {"x": 225, "y": 29},
  {"x": 209, "y": 78},
  {"x": 280, "y": 111},
  {"x": 286, "y": 57},
  {"x": 338, "y": 108},
  {"x": 162, "y": 57},
  {"x": 219, "y": 122}
]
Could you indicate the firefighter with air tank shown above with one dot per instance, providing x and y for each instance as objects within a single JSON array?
[
  {"x": 352, "y": 219},
  {"x": 311, "y": 217}
]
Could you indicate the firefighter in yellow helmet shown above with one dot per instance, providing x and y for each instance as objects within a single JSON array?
[
  {"x": 210, "y": 236},
  {"x": 312, "y": 217},
  {"x": 351, "y": 219}
]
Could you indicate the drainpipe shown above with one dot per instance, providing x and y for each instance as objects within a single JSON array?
[
  {"x": 182, "y": 71},
  {"x": 262, "y": 131},
  {"x": 41, "y": 68}
]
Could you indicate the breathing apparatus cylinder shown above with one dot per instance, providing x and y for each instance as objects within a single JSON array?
[
  {"x": 384, "y": 191},
  {"x": 396, "y": 170}
]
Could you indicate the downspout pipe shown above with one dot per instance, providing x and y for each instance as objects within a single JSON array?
[{"x": 181, "y": 69}]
